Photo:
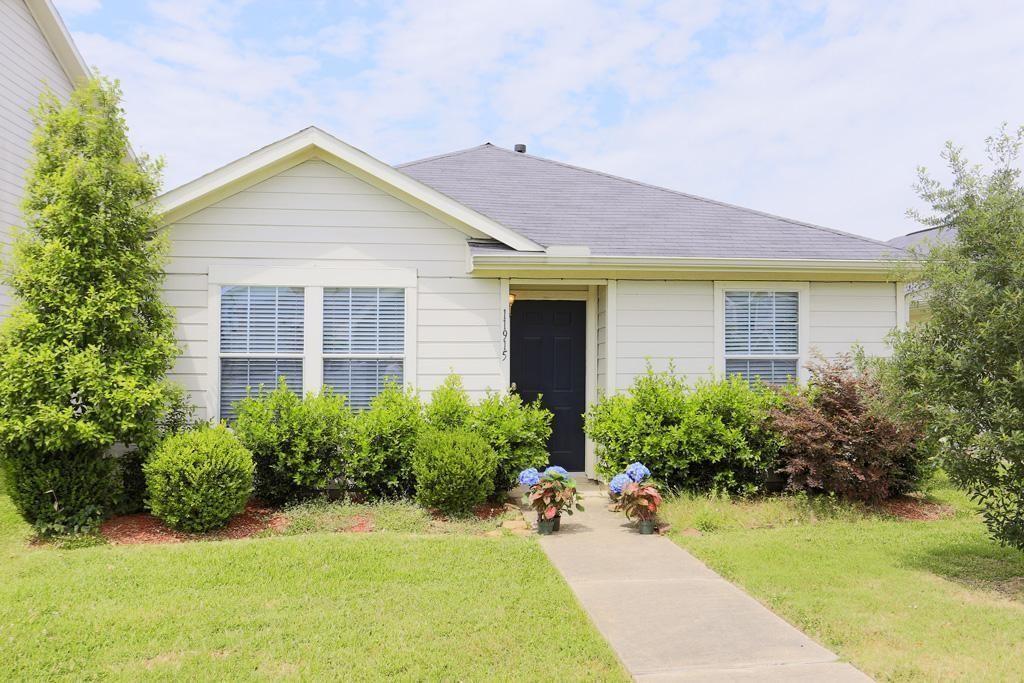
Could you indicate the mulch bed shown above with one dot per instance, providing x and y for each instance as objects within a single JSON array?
[
  {"x": 145, "y": 528},
  {"x": 915, "y": 509}
]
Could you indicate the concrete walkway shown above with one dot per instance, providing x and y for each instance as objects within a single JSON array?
[{"x": 669, "y": 617}]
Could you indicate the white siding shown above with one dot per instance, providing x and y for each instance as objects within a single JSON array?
[
  {"x": 848, "y": 313},
  {"x": 673, "y": 321},
  {"x": 664, "y": 322},
  {"x": 27, "y": 67},
  {"x": 315, "y": 214}
]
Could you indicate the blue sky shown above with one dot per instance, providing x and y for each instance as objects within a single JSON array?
[{"x": 819, "y": 111}]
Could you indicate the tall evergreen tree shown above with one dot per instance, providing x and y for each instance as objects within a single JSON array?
[{"x": 85, "y": 350}]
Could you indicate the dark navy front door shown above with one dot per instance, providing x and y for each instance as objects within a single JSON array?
[{"x": 548, "y": 358}]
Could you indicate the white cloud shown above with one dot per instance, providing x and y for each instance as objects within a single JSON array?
[
  {"x": 78, "y": 7},
  {"x": 819, "y": 111}
]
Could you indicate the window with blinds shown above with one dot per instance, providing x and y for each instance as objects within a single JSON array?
[
  {"x": 261, "y": 340},
  {"x": 364, "y": 340},
  {"x": 762, "y": 335}
]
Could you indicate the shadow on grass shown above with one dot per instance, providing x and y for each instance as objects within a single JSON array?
[{"x": 977, "y": 563}]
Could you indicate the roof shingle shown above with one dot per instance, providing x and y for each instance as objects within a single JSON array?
[{"x": 553, "y": 203}]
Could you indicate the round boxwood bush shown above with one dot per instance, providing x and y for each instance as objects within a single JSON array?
[
  {"x": 454, "y": 470},
  {"x": 199, "y": 480}
]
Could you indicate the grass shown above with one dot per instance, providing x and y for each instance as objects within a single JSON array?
[
  {"x": 902, "y": 600},
  {"x": 389, "y": 516},
  {"x": 399, "y": 605}
]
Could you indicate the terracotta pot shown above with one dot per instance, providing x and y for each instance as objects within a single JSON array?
[
  {"x": 647, "y": 526},
  {"x": 546, "y": 527}
]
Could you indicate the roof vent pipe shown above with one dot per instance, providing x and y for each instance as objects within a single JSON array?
[{"x": 521, "y": 148}]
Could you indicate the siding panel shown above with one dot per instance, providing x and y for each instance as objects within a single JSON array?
[
  {"x": 316, "y": 215},
  {"x": 848, "y": 313}
]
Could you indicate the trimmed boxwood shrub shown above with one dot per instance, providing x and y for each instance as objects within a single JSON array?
[
  {"x": 449, "y": 406},
  {"x": 300, "y": 445},
  {"x": 840, "y": 437},
  {"x": 716, "y": 436},
  {"x": 199, "y": 480},
  {"x": 381, "y": 465},
  {"x": 454, "y": 470},
  {"x": 517, "y": 432}
]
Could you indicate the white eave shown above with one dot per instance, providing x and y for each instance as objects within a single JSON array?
[
  {"x": 313, "y": 143},
  {"x": 57, "y": 36},
  {"x": 584, "y": 265}
]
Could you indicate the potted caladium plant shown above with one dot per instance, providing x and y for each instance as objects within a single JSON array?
[
  {"x": 549, "y": 494},
  {"x": 640, "y": 502},
  {"x": 637, "y": 496}
]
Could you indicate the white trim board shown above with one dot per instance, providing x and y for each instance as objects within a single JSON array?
[{"x": 313, "y": 143}]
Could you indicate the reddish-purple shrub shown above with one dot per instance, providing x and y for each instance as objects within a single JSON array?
[{"x": 838, "y": 437}]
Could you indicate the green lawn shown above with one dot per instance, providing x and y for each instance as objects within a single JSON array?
[
  {"x": 931, "y": 600},
  {"x": 352, "y": 606}
]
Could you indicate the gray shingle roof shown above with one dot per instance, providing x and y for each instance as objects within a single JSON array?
[
  {"x": 554, "y": 203},
  {"x": 921, "y": 238}
]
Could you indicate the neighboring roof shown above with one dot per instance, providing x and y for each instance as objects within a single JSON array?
[
  {"x": 313, "y": 143},
  {"x": 57, "y": 36},
  {"x": 554, "y": 203},
  {"x": 921, "y": 238}
]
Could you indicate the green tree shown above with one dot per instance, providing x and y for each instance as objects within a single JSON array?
[
  {"x": 962, "y": 371},
  {"x": 85, "y": 350}
]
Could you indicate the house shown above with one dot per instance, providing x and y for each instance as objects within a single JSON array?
[
  {"x": 313, "y": 260},
  {"x": 920, "y": 242},
  {"x": 36, "y": 52}
]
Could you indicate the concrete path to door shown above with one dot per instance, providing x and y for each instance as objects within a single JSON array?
[{"x": 669, "y": 617}]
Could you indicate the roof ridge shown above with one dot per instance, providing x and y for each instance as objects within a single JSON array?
[
  {"x": 444, "y": 156},
  {"x": 640, "y": 183}
]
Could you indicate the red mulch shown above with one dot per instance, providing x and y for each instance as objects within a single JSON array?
[
  {"x": 486, "y": 511},
  {"x": 145, "y": 528},
  {"x": 915, "y": 509},
  {"x": 360, "y": 524}
]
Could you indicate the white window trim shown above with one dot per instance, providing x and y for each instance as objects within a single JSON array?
[
  {"x": 803, "y": 290},
  {"x": 313, "y": 280}
]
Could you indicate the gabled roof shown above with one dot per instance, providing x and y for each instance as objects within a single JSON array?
[
  {"x": 57, "y": 36},
  {"x": 554, "y": 203},
  {"x": 313, "y": 143}
]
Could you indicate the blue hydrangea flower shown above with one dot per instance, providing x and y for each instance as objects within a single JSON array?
[
  {"x": 637, "y": 472},
  {"x": 556, "y": 469},
  {"x": 618, "y": 483},
  {"x": 529, "y": 477}
]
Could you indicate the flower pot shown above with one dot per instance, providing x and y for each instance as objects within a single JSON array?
[
  {"x": 647, "y": 526},
  {"x": 546, "y": 527},
  {"x": 558, "y": 522}
]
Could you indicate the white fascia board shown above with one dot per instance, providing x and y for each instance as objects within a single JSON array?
[
  {"x": 313, "y": 143},
  {"x": 59, "y": 39},
  {"x": 531, "y": 262}
]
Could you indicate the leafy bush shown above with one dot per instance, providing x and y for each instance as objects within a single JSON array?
[
  {"x": 84, "y": 352},
  {"x": 178, "y": 416},
  {"x": 300, "y": 445},
  {"x": 199, "y": 480},
  {"x": 381, "y": 466},
  {"x": 960, "y": 371},
  {"x": 517, "y": 432},
  {"x": 839, "y": 438},
  {"x": 449, "y": 406},
  {"x": 715, "y": 437},
  {"x": 454, "y": 470}
]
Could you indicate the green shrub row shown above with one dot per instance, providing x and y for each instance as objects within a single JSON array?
[
  {"x": 304, "y": 444},
  {"x": 833, "y": 435}
]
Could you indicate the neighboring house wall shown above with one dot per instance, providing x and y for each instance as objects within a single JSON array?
[
  {"x": 314, "y": 215},
  {"x": 27, "y": 67}
]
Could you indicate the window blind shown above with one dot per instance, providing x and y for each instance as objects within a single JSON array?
[
  {"x": 364, "y": 340},
  {"x": 759, "y": 328},
  {"x": 261, "y": 339}
]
